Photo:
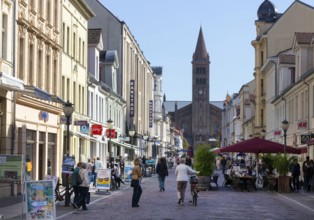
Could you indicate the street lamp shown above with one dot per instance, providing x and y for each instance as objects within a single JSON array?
[
  {"x": 68, "y": 109},
  {"x": 285, "y": 126},
  {"x": 109, "y": 126}
]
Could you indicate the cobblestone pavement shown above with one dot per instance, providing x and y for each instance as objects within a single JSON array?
[{"x": 222, "y": 203}]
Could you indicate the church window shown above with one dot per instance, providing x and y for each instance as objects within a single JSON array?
[{"x": 200, "y": 70}]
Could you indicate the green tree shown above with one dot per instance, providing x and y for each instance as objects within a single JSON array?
[{"x": 204, "y": 160}]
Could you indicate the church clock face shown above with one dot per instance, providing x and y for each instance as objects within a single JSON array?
[{"x": 200, "y": 92}]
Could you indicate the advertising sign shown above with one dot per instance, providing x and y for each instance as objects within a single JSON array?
[
  {"x": 128, "y": 167},
  {"x": 103, "y": 179},
  {"x": 10, "y": 168},
  {"x": 151, "y": 106},
  {"x": 68, "y": 164},
  {"x": 111, "y": 133},
  {"x": 40, "y": 200},
  {"x": 84, "y": 129},
  {"x": 96, "y": 129}
]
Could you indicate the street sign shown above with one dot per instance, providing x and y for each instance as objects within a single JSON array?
[
  {"x": 80, "y": 122},
  {"x": 306, "y": 138}
]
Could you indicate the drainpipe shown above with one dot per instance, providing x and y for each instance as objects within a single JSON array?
[{"x": 13, "y": 147}]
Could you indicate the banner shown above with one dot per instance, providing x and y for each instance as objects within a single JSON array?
[
  {"x": 68, "y": 164},
  {"x": 128, "y": 167},
  {"x": 40, "y": 200},
  {"x": 10, "y": 168},
  {"x": 132, "y": 97},
  {"x": 103, "y": 179}
]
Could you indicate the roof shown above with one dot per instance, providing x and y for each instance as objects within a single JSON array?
[
  {"x": 94, "y": 36},
  {"x": 286, "y": 59},
  {"x": 170, "y": 105},
  {"x": 157, "y": 70},
  {"x": 267, "y": 12},
  {"x": 304, "y": 38},
  {"x": 200, "y": 50}
]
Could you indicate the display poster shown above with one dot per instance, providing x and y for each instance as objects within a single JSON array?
[
  {"x": 40, "y": 200},
  {"x": 10, "y": 168},
  {"x": 128, "y": 167},
  {"x": 103, "y": 179},
  {"x": 68, "y": 164}
]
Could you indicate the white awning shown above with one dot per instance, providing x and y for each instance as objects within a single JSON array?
[
  {"x": 130, "y": 146},
  {"x": 11, "y": 83},
  {"x": 85, "y": 136}
]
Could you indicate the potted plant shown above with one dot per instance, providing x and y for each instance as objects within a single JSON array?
[
  {"x": 282, "y": 165},
  {"x": 204, "y": 162}
]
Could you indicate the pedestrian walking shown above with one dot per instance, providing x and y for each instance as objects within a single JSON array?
[
  {"x": 296, "y": 171},
  {"x": 162, "y": 172},
  {"x": 98, "y": 165},
  {"x": 182, "y": 173},
  {"x": 188, "y": 161},
  {"x": 306, "y": 168},
  {"x": 73, "y": 182},
  {"x": 83, "y": 188},
  {"x": 223, "y": 164},
  {"x": 137, "y": 189},
  {"x": 89, "y": 168}
]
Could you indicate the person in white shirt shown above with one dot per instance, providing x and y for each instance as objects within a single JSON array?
[
  {"x": 98, "y": 165},
  {"x": 182, "y": 173}
]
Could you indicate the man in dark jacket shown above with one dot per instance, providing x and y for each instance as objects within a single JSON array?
[
  {"x": 162, "y": 171},
  {"x": 306, "y": 168},
  {"x": 296, "y": 171}
]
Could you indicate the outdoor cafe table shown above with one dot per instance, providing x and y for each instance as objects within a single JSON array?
[{"x": 248, "y": 181}]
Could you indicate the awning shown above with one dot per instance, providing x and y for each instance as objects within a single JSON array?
[
  {"x": 85, "y": 136},
  {"x": 11, "y": 83},
  {"x": 130, "y": 146},
  {"x": 41, "y": 94}
]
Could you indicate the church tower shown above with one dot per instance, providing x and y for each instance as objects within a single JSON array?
[{"x": 200, "y": 93}]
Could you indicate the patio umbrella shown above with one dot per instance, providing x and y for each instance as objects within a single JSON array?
[{"x": 259, "y": 145}]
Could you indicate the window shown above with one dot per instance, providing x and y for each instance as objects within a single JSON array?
[
  {"x": 48, "y": 7},
  {"x": 40, "y": 7},
  {"x": 56, "y": 16},
  {"x": 292, "y": 73},
  {"x": 21, "y": 59},
  {"x": 30, "y": 64},
  {"x": 47, "y": 73},
  {"x": 200, "y": 70},
  {"x": 68, "y": 40},
  {"x": 80, "y": 55},
  {"x": 39, "y": 68},
  {"x": 63, "y": 35},
  {"x": 83, "y": 54},
  {"x": 55, "y": 76},
  {"x": 4, "y": 36},
  {"x": 262, "y": 87},
  {"x": 68, "y": 89},
  {"x": 63, "y": 86},
  {"x": 74, "y": 43}
]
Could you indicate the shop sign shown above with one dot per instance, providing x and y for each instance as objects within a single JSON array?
[
  {"x": 111, "y": 133},
  {"x": 84, "y": 129},
  {"x": 277, "y": 133},
  {"x": 302, "y": 125},
  {"x": 80, "y": 122},
  {"x": 96, "y": 129}
]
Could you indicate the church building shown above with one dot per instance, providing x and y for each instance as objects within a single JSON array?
[{"x": 200, "y": 119}]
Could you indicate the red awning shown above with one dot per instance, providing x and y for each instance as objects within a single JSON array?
[{"x": 259, "y": 145}]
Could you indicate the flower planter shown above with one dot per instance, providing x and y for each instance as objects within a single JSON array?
[{"x": 283, "y": 184}]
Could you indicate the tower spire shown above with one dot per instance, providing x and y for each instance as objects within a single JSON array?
[{"x": 200, "y": 50}]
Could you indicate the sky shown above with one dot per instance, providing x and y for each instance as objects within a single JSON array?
[{"x": 167, "y": 31}]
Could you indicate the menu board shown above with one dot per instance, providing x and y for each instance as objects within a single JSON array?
[{"x": 40, "y": 200}]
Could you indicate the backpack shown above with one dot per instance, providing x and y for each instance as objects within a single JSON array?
[{"x": 79, "y": 180}]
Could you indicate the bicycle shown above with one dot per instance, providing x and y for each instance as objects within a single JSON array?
[
  {"x": 60, "y": 194},
  {"x": 194, "y": 190}
]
